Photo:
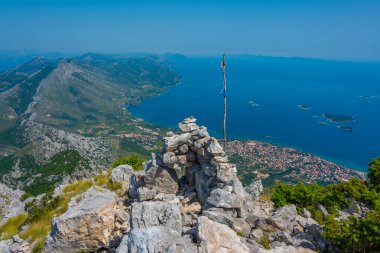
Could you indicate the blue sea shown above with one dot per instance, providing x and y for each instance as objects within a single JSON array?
[{"x": 263, "y": 94}]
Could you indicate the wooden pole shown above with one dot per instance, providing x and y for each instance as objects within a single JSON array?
[{"x": 225, "y": 102}]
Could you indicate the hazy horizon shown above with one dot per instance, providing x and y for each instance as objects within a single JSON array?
[{"x": 336, "y": 30}]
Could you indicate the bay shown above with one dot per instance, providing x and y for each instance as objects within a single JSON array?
[{"x": 281, "y": 101}]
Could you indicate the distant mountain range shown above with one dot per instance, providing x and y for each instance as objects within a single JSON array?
[{"x": 72, "y": 111}]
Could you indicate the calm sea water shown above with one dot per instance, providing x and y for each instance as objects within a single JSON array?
[{"x": 277, "y": 86}]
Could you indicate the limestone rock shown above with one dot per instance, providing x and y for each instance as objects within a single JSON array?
[
  {"x": 155, "y": 240},
  {"x": 214, "y": 148},
  {"x": 256, "y": 234},
  {"x": 145, "y": 193},
  {"x": 221, "y": 198},
  {"x": 220, "y": 215},
  {"x": 86, "y": 226},
  {"x": 136, "y": 181},
  {"x": 188, "y": 127},
  {"x": 218, "y": 238},
  {"x": 203, "y": 185},
  {"x": 16, "y": 245},
  {"x": 284, "y": 218},
  {"x": 173, "y": 142},
  {"x": 305, "y": 213},
  {"x": 286, "y": 249},
  {"x": 306, "y": 222},
  {"x": 155, "y": 213},
  {"x": 168, "y": 198},
  {"x": 321, "y": 208},
  {"x": 192, "y": 208},
  {"x": 10, "y": 202},
  {"x": 281, "y": 236},
  {"x": 188, "y": 120},
  {"x": 122, "y": 174},
  {"x": 255, "y": 189},
  {"x": 163, "y": 179},
  {"x": 304, "y": 240}
]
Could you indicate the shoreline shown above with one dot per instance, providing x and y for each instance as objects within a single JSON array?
[{"x": 272, "y": 141}]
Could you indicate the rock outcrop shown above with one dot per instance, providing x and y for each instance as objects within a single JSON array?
[
  {"x": 122, "y": 174},
  {"x": 10, "y": 202},
  {"x": 87, "y": 225},
  {"x": 216, "y": 237},
  {"x": 187, "y": 199}
]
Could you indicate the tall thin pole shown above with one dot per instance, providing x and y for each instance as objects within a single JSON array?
[{"x": 225, "y": 101}]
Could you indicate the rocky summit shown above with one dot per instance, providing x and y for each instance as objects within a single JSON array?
[{"x": 187, "y": 199}]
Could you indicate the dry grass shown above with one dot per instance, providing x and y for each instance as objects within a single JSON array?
[
  {"x": 264, "y": 241},
  {"x": 12, "y": 226},
  {"x": 39, "y": 220},
  {"x": 39, "y": 228}
]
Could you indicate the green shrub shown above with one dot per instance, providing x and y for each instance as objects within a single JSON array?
[
  {"x": 354, "y": 234},
  {"x": 333, "y": 197},
  {"x": 133, "y": 160},
  {"x": 351, "y": 235},
  {"x": 374, "y": 173}
]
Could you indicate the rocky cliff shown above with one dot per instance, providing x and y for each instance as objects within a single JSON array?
[{"x": 188, "y": 198}]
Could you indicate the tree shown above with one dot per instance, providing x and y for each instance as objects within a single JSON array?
[{"x": 374, "y": 173}]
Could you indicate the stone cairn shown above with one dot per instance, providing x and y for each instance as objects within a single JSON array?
[
  {"x": 193, "y": 161},
  {"x": 187, "y": 199}
]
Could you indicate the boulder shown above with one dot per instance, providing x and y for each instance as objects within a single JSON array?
[
  {"x": 188, "y": 127},
  {"x": 144, "y": 193},
  {"x": 226, "y": 172},
  {"x": 281, "y": 236},
  {"x": 203, "y": 185},
  {"x": 183, "y": 149},
  {"x": 155, "y": 240},
  {"x": 214, "y": 148},
  {"x": 255, "y": 189},
  {"x": 221, "y": 198},
  {"x": 306, "y": 222},
  {"x": 284, "y": 218},
  {"x": 173, "y": 142},
  {"x": 304, "y": 240},
  {"x": 305, "y": 213},
  {"x": 136, "y": 181},
  {"x": 214, "y": 237},
  {"x": 256, "y": 234},
  {"x": 122, "y": 174},
  {"x": 155, "y": 213},
  {"x": 220, "y": 215},
  {"x": 286, "y": 249},
  {"x": 16, "y": 245},
  {"x": 163, "y": 179},
  {"x": 10, "y": 202},
  {"x": 86, "y": 226},
  {"x": 193, "y": 208}
]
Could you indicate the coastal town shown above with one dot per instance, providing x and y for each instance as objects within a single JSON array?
[{"x": 273, "y": 163}]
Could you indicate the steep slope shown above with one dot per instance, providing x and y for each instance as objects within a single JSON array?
[
  {"x": 76, "y": 105},
  {"x": 18, "y": 86}
]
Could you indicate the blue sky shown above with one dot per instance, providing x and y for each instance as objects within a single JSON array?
[{"x": 322, "y": 29}]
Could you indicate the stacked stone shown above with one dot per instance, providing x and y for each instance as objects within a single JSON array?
[
  {"x": 199, "y": 159},
  {"x": 189, "y": 192}
]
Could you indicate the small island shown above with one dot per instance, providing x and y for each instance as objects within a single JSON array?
[
  {"x": 337, "y": 118},
  {"x": 303, "y": 107},
  {"x": 367, "y": 97},
  {"x": 253, "y": 103},
  {"x": 346, "y": 128}
]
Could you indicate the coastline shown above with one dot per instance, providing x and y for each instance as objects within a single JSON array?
[{"x": 273, "y": 141}]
